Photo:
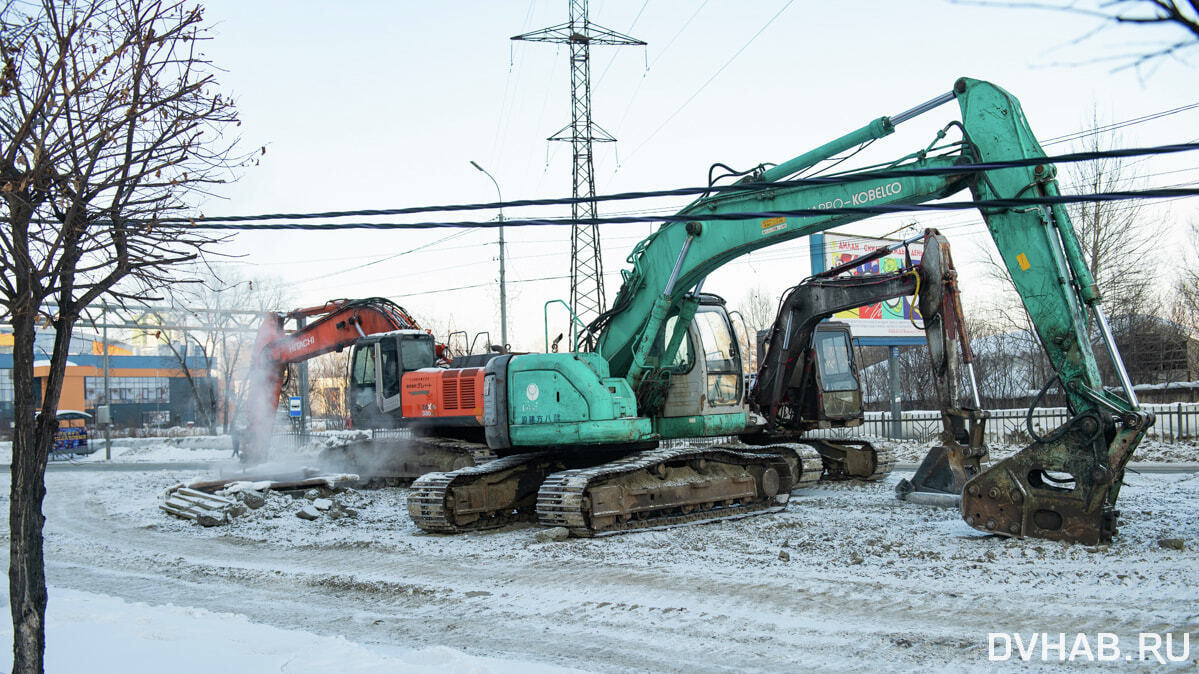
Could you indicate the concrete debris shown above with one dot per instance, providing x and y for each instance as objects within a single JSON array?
[
  {"x": 308, "y": 513},
  {"x": 252, "y": 499},
  {"x": 206, "y": 520},
  {"x": 242, "y": 486},
  {"x": 206, "y": 509},
  {"x": 322, "y": 504},
  {"x": 237, "y": 510},
  {"x": 784, "y": 556},
  {"x": 552, "y": 535},
  {"x": 1172, "y": 543},
  {"x": 308, "y": 480}
]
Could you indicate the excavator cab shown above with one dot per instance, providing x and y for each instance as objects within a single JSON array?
[
  {"x": 377, "y": 367},
  {"x": 706, "y": 376},
  {"x": 829, "y": 394},
  {"x": 838, "y": 392}
]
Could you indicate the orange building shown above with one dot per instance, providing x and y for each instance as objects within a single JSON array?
[{"x": 142, "y": 390}]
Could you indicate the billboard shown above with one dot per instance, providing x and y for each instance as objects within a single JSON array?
[{"x": 892, "y": 318}]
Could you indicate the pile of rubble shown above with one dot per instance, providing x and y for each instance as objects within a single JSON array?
[
  {"x": 215, "y": 503},
  {"x": 320, "y": 505}
]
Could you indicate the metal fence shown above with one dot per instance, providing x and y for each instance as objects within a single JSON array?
[{"x": 1172, "y": 422}]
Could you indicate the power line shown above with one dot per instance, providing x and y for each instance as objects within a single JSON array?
[
  {"x": 710, "y": 79},
  {"x": 868, "y": 211},
  {"x": 840, "y": 179},
  {"x": 614, "y": 54},
  {"x": 650, "y": 67},
  {"x": 1117, "y": 125},
  {"x": 228, "y": 222},
  {"x": 382, "y": 259}
]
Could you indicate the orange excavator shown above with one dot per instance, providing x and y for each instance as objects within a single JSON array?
[{"x": 442, "y": 409}]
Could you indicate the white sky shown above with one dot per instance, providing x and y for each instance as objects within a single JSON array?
[{"x": 383, "y": 105}]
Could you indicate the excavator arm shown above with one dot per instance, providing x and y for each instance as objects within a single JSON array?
[
  {"x": 1065, "y": 485},
  {"x": 787, "y": 396},
  {"x": 337, "y": 324}
]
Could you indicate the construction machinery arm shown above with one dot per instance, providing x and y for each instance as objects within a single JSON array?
[
  {"x": 337, "y": 324},
  {"x": 1065, "y": 485},
  {"x": 786, "y": 371},
  {"x": 1037, "y": 244}
]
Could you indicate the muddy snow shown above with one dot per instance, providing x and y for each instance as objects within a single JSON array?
[{"x": 846, "y": 577}]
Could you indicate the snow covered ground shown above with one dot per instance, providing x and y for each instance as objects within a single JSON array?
[
  {"x": 846, "y": 578},
  {"x": 199, "y": 448},
  {"x": 193, "y": 448},
  {"x": 96, "y": 633}
]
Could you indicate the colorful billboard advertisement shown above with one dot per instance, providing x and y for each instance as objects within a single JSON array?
[{"x": 892, "y": 318}]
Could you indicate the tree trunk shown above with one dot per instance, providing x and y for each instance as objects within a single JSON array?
[
  {"x": 26, "y": 566},
  {"x": 31, "y": 446}
]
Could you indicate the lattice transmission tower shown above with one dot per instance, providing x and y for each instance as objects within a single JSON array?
[{"x": 586, "y": 263}]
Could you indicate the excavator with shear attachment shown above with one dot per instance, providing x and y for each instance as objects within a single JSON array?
[{"x": 662, "y": 362}]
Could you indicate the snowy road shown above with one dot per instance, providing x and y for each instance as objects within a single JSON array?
[{"x": 870, "y": 581}]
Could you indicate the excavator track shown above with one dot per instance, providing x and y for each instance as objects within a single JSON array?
[
  {"x": 884, "y": 463},
  {"x": 668, "y": 487},
  {"x": 854, "y": 460},
  {"x": 486, "y": 496}
]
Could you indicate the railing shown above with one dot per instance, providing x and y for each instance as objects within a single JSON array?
[{"x": 1172, "y": 422}]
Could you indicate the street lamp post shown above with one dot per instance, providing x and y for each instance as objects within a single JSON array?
[{"x": 503, "y": 287}]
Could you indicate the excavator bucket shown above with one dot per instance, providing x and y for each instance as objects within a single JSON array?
[
  {"x": 948, "y": 467},
  {"x": 942, "y": 471},
  {"x": 1063, "y": 487}
]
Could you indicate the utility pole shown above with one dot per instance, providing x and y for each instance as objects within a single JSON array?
[
  {"x": 107, "y": 403},
  {"x": 586, "y": 263},
  {"x": 896, "y": 393},
  {"x": 503, "y": 286}
]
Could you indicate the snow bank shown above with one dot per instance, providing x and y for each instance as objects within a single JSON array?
[{"x": 88, "y": 632}]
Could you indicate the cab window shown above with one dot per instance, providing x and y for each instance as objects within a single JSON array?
[
  {"x": 833, "y": 360},
  {"x": 364, "y": 365},
  {"x": 389, "y": 360},
  {"x": 417, "y": 352},
  {"x": 684, "y": 358},
  {"x": 722, "y": 357}
]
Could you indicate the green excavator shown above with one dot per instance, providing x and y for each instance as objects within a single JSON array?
[{"x": 580, "y": 434}]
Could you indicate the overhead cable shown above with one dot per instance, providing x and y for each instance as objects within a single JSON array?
[
  {"x": 841, "y": 179},
  {"x": 1022, "y": 202}
]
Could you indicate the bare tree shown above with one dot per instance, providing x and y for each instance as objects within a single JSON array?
[
  {"x": 220, "y": 317},
  {"x": 109, "y": 120},
  {"x": 327, "y": 384},
  {"x": 1113, "y": 234},
  {"x": 1183, "y": 14},
  {"x": 1184, "y": 310},
  {"x": 758, "y": 311}
]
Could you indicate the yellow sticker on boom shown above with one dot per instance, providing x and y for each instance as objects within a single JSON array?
[
  {"x": 770, "y": 225},
  {"x": 1023, "y": 262}
]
